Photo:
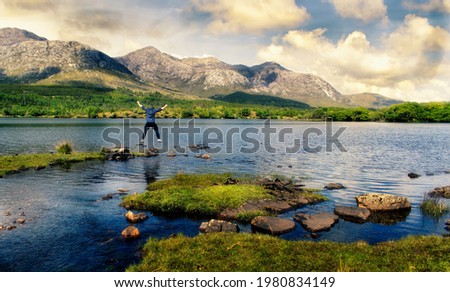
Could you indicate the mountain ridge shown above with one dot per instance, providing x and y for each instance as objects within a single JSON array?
[{"x": 28, "y": 58}]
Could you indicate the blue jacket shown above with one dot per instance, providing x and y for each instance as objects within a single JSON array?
[{"x": 151, "y": 112}]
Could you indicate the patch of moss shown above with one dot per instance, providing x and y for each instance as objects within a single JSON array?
[{"x": 205, "y": 194}]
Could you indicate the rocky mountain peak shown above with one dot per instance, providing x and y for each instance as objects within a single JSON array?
[{"x": 10, "y": 36}]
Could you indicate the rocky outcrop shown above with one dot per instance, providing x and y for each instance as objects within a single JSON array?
[
  {"x": 334, "y": 186},
  {"x": 317, "y": 222},
  {"x": 383, "y": 202},
  {"x": 354, "y": 214},
  {"x": 440, "y": 192},
  {"x": 286, "y": 196},
  {"x": 272, "y": 225},
  {"x": 10, "y": 36},
  {"x": 135, "y": 218},
  {"x": 130, "y": 232},
  {"x": 214, "y": 226}
]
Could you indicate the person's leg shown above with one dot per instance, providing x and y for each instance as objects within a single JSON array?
[
  {"x": 155, "y": 128},
  {"x": 147, "y": 125}
]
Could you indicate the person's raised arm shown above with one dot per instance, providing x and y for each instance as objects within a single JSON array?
[
  {"x": 164, "y": 106},
  {"x": 139, "y": 104}
]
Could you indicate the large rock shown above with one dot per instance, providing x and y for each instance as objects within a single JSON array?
[
  {"x": 130, "y": 232},
  {"x": 218, "y": 226},
  {"x": 272, "y": 225},
  {"x": 440, "y": 192},
  {"x": 354, "y": 214},
  {"x": 317, "y": 222},
  {"x": 383, "y": 202},
  {"x": 135, "y": 218}
]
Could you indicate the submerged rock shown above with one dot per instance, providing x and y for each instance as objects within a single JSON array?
[
  {"x": 382, "y": 202},
  {"x": 317, "y": 222},
  {"x": 413, "y": 175},
  {"x": 204, "y": 156},
  {"x": 150, "y": 152},
  {"x": 334, "y": 186},
  {"x": 354, "y": 214},
  {"x": 135, "y": 218},
  {"x": 440, "y": 192},
  {"x": 214, "y": 226},
  {"x": 130, "y": 232},
  {"x": 272, "y": 225}
]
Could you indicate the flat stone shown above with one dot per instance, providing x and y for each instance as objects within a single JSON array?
[
  {"x": 122, "y": 190},
  {"x": 354, "y": 214},
  {"x": 382, "y": 202},
  {"x": 11, "y": 227},
  {"x": 334, "y": 186},
  {"x": 214, "y": 226},
  {"x": 135, "y": 218},
  {"x": 317, "y": 222},
  {"x": 130, "y": 232},
  {"x": 272, "y": 225}
]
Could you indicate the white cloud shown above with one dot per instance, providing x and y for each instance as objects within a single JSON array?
[
  {"x": 411, "y": 63},
  {"x": 366, "y": 10},
  {"x": 234, "y": 16},
  {"x": 430, "y": 5}
]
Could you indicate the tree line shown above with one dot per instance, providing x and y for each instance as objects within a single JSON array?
[{"x": 76, "y": 102}]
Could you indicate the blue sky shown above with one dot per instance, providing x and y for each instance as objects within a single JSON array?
[{"x": 398, "y": 48}]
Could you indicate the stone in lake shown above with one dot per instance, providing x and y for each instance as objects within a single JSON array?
[
  {"x": 382, "y": 202},
  {"x": 20, "y": 221},
  {"x": 317, "y": 222},
  {"x": 354, "y": 214},
  {"x": 135, "y": 218},
  {"x": 440, "y": 192},
  {"x": 334, "y": 186},
  {"x": 447, "y": 222},
  {"x": 130, "y": 232},
  {"x": 214, "y": 226},
  {"x": 171, "y": 153},
  {"x": 122, "y": 190},
  {"x": 150, "y": 152},
  {"x": 11, "y": 227},
  {"x": 272, "y": 225},
  {"x": 205, "y": 156},
  {"x": 413, "y": 175}
]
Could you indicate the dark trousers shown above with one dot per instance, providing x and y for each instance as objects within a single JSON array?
[{"x": 151, "y": 125}]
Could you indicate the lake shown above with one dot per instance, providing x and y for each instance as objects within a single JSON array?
[{"x": 70, "y": 228}]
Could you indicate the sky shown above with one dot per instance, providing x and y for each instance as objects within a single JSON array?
[{"x": 397, "y": 48}]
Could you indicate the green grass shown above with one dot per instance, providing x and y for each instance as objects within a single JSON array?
[
  {"x": 204, "y": 194},
  {"x": 263, "y": 253},
  {"x": 17, "y": 163}
]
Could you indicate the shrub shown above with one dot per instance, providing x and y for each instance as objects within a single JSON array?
[
  {"x": 433, "y": 206},
  {"x": 64, "y": 147}
]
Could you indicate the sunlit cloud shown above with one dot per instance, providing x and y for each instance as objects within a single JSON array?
[
  {"x": 236, "y": 16},
  {"x": 428, "y": 6},
  {"x": 361, "y": 9},
  {"x": 410, "y": 62}
]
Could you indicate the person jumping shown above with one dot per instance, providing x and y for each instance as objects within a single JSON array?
[{"x": 150, "y": 120}]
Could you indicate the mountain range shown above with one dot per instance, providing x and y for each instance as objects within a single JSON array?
[{"x": 28, "y": 58}]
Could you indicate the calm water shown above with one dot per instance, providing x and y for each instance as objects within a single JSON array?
[{"x": 70, "y": 228}]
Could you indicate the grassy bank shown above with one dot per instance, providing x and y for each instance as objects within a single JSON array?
[
  {"x": 264, "y": 253},
  {"x": 18, "y": 163},
  {"x": 203, "y": 194}
]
